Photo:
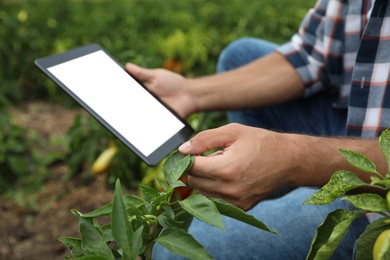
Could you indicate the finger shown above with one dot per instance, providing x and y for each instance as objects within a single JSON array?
[
  {"x": 202, "y": 184},
  {"x": 212, "y": 168},
  {"x": 211, "y": 195},
  {"x": 210, "y": 189},
  {"x": 207, "y": 166},
  {"x": 210, "y": 139},
  {"x": 219, "y": 196},
  {"x": 139, "y": 72}
]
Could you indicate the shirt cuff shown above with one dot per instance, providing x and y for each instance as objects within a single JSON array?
[{"x": 306, "y": 68}]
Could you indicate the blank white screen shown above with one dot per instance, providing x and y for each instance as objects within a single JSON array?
[{"x": 108, "y": 90}]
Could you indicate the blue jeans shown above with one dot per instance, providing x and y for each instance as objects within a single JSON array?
[{"x": 296, "y": 222}]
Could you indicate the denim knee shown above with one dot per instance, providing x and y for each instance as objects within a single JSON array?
[{"x": 243, "y": 51}]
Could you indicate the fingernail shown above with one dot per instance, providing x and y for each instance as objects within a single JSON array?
[{"x": 185, "y": 147}]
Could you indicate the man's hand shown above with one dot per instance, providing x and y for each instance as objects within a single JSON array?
[
  {"x": 254, "y": 162},
  {"x": 167, "y": 85},
  {"x": 251, "y": 164}
]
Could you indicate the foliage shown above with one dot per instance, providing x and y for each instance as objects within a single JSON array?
[
  {"x": 138, "y": 223},
  {"x": 150, "y": 33},
  {"x": 330, "y": 233},
  {"x": 15, "y": 155},
  {"x": 145, "y": 32},
  {"x": 20, "y": 164},
  {"x": 87, "y": 139}
]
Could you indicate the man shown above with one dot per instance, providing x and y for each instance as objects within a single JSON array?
[{"x": 328, "y": 83}]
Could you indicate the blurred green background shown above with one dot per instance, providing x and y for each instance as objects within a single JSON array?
[
  {"x": 154, "y": 33},
  {"x": 147, "y": 32},
  {"x": 48, "y": 144}
]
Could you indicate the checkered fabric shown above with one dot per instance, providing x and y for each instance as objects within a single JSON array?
[
  {"x": 343, "y": 45},
  {"x": 369, "y": 106}
]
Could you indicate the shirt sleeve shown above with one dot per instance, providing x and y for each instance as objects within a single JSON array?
[{"x": 305, "y": 51}]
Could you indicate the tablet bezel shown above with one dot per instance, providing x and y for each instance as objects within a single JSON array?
[{"x": 155, "y": 157}]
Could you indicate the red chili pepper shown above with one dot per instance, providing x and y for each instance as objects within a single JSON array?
[{"x": 182, "y": 192}]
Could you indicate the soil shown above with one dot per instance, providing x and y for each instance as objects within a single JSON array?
[{"x": 33, "y": 232}]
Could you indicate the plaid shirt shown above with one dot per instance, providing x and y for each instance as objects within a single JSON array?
[{"x": 344, "y": 45}]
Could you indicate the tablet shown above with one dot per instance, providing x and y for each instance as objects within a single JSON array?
[{"x": 117, "y": 100}]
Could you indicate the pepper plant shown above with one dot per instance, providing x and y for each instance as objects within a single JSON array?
[
  {"x": 374, "y": 243},
  {"x": 137, "y": 223}
]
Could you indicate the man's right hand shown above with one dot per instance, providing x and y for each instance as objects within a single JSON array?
[{"x": 167, "y": 85}]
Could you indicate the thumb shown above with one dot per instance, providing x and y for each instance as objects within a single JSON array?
[
  {"x": 207, "y": 140},
  {"x": 139, "y": 72}
]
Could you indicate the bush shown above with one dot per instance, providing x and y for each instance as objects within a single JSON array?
[
  {"x": 145, "y": 32},
  {"x": 374, "y": 242},
  {"x": 20, "y": 164},
  {"x": 190, "y": 33},
  {"x": 86, "y": 140},
  {"x": 136, "y": 223}
]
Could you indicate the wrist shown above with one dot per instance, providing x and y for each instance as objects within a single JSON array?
[
  {"x": 314, "y": 160},
  {"x": 319, "y": 157},
  {"x": 197, "y": 95}
]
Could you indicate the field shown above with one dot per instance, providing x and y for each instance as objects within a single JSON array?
[{"x": 47, "y": 143}]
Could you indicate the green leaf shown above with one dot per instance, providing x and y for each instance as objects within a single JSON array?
[
  {"x": 340, "y": 183},
  {"x": 330, "y": 233},
  {"x": 176, "y": 165},
  {"x": 184, "y": 218},
  {"x": 163, "y": 184},
  {"x": 131, "y": 202},
  {"x": 91, "y": 238},
  {"x": 172, "y": 161},
  {"x": 18, "y": 165},
  {"x": 359, "y": 161},
  {"x": 74, "y": 245},
  {"x": 137, "y": 242},
  {"x": 232, "y": 211},
  {"x": 134, "y": 201},
  {"x": 192, "y": 160},
  {"x": 177, "y": 184},
  {"x": 388, "y": 199},
  {"x": 179, "y": 169},
  {"x": 384, "y": 144},
  {"x": 94, "y": 257},
  {"x": 161, "y": 200},
  {"x": 149, "y": 193},
  {"x": 384, "y": 251},
  {"x": 170, "y": 164},
  {"x": 366, "y": 241},
  {"x": 167, "y": 221},
  {"x": 181, "y": 243},
  {"x": 139, "y": 222},
  {"x": 103, "y": 211},
  {"x": 107, "y": 233},
  {"x": 376, "y": 181},
  {"x": 368, "y": 201},
  {"x": 122, "y": 231},
  {"x": 203, "y": 209}
]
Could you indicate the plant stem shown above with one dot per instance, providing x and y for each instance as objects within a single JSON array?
[
  {"x": 149, "y": 251},
  {"x": 156, "y": 229}
]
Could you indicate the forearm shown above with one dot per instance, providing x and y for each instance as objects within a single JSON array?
[
  {"x": 318, "y": 158},
  {"x": 266, "y": 81}
]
